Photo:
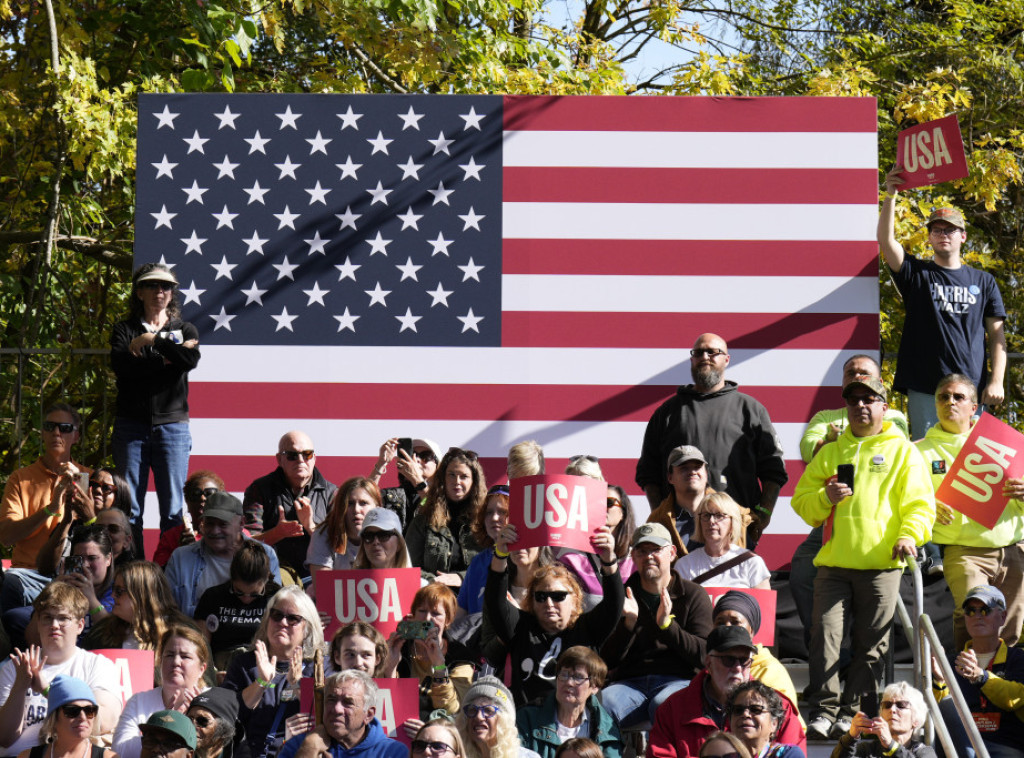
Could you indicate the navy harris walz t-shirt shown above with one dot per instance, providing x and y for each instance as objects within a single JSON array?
[{"x": 944, "y": 330}]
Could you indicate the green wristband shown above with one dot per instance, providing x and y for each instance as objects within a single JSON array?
[{"x": 265, "y": 684}]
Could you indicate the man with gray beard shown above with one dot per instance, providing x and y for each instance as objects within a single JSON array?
[{"x": 743, "y": 452}]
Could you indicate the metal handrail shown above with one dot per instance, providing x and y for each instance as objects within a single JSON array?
[{"x": 928, "y": 636}]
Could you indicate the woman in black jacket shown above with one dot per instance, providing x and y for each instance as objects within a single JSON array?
[{"x": 152, "y": 352}]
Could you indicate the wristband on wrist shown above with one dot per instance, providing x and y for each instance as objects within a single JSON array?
[
  {"x": 421, "y": 487},
  {"x": 265, "y": 684},
  {"x": 48, "y": 512},
  {"x": 668, "y": 622},
  {"x": 90, "y": 522},
  {"x": 609, "y": 564},
  {"x": 762, "y": 509},
  {"x": 46, "y": 691},
  {"x": 97, "y": 609},
  {"x": 499, "y": 554}
]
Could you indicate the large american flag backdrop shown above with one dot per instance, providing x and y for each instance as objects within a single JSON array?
[{"x": 483, "y": 269}]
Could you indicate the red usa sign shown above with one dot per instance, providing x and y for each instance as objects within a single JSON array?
[{"x": 931, "y": 153}]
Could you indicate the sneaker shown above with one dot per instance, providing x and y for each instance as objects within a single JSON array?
[
  {"x": 818, "y": 729},
  {"x": 839, "y": 728},
  {"x": 936, "y": 569}
]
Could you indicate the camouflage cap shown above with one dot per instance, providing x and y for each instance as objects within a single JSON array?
[{"x": 949, "y": 215}]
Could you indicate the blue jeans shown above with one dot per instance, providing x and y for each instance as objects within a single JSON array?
[
  {"x": 164, "y": 449},
  {"x": 632, "y": 702},
  {"x": 921, "y": 409}
]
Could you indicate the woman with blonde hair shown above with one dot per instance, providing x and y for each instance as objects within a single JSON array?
[
  {"x": 487, "y": 722},
  {"x": 71, "y": 719},
  {"x": 143, "y": 610},
  {"x": 723, "y": 745},
  {"x": 440, "y": 535},
  {"x": 267, "y": 677},
  {"x": 183, "y": 659},
  {"x": 437, "y": 737},
  {"x": 723, "y": 561}
]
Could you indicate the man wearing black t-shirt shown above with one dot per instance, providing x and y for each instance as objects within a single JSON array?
[{"x": 950, "y": 310}]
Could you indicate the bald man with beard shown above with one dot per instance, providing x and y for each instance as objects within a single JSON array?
[
  {"x": 284, "y": 507},
  {"x": 733, "y": 430}
]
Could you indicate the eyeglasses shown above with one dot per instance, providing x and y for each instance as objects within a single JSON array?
[
  {"x": 119, "y": 591},
  {"x": 714, "y": 517},
  {"x": 614, "y": 502},
  {"x": 49, "y": 426},
  {"x": 977, "y": 610},
  {"x": 293, "y": 619},
  {"x": 542, "y": 596},
  {"x": 487, "y": 711},
  {"x": 753, "y": 710},
  {"x": 453, "y": 452},
  {"x": 201, "y": 721},
  {"x": 421, "y": 746},
  {"x": 945, "y": 397},
  {"x": 572, "y": 677},
  {"x": 72, "y": 711},
  {"x": 710, "y": 352},
  {"x": 112, "y": 528},
  {"x": 855, "y": 400},
  {"x": 376, "y": 536},
  {"x": 948, "y": 231},
  {"x": 731, "y": 661},
  {"x": 62, "y": 621},
  {"x": 293, "y": 455},
  {"x": 158, "y": 747},
  {"x": 591, "y": 458},
  {"x": 425, "y": 456},
  {"x": 903, "y": 705},
  {"x": 647, "y": 548},
  {"x": 234, "y": 591},
  {"x": 106, "y": 489},
  {"x": 195, "y": 492},
  {"x": 156, "y": 285}
]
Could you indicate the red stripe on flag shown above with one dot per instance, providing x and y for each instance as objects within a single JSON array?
[
  {"x": 718, "y": 114},
  {"x": 594, "y": 403},
  {"x": 238, "y": 471},
  {"x": 693, "y": 185},
  {"x": 690, "y": 258},
  {"x": 808, "y": 331}
]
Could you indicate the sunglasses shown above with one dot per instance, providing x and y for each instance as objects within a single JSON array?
[
  {"x": 977, "y": 610},
  {"x": 49, "y": 426},
  {"x": 753, "y": 710},
  {"x": 293, "y": 455},
  {"x": 201, "y": 721},
  {"x": 425, "y": 456},
  {"x": 469, "y": 455},
  {"x": 903, "y": 705},
  {"x": 614, "y": 502},
  {"x": 487, "y": 711},
  {"x": 106, "y": 489},
  {"x": 731, "y": 661},
  {"x": 156, "y": 285},
  {"x": 542, "y": 596},
  {"x": 293, "y": 619},
  {"x": 422, "y": 746},
  {"x": 198, "y": 493},
  {"x": 710, "y": 352},
  {"x": 591, "y": 458},
  {"x": 73, "y": 711},
  {"x": 113, "y": 528},
  {"x": 376, "y": 536}
]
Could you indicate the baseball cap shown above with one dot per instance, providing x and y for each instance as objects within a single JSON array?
[
  {"x": 685, "y": 453},
  {"x": 990, "y": 596},
  {"x": 222, "y": 506},
  {"x": 381, "y": 518},
  {"x": 172, "y": 722},
  {"x": 726, "y": 637},
  {"x": 157, "y": 275},
  {"x": 870, "y": 383},
  {"x": 949, "y": 215},
  {"x": 656, "y": 534}
]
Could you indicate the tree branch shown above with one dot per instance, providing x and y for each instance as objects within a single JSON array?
[{"x": 103, "y": 252}]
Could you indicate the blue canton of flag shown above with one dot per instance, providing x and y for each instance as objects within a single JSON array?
[{"x": 326, "y": 219}]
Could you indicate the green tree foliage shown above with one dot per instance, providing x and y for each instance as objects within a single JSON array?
[{"x": 65, "y": 258}]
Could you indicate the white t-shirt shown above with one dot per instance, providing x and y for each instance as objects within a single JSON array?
[
  {"x": 95, "y": 670},
  {"x": 568, "y": 732},
  {"x": 746, "y": 575}
]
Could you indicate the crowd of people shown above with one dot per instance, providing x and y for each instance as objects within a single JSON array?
[{"x": 526, "y": 651}]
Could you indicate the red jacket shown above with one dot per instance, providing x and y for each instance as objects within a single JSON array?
[{"x": 680, "y": 725}]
